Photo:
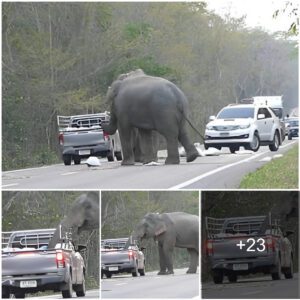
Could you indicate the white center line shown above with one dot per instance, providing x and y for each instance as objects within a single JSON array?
[
  {"x": 68, "y": 173},
  {"x": 12, "y": 184}
]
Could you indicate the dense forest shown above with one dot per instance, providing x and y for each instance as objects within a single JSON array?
[
  {"x": 33, "y": 210},
  {"x": 60, "y": 58},
  {"x": 223, "y": 204},
  {"x": 121, "y": 212}
]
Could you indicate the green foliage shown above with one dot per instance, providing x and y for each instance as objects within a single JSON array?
[{"x": 281, "y": 173}]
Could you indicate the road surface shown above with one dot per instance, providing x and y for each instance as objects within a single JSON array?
[
  {"x": 257, "y": 288},
  {"x": 210, "y": 172},
  {"x": 90, "y": 294},
  {"x": 179, "y": 285}
]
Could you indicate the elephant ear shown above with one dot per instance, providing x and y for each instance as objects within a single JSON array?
[{"x": 160, "y": 229}]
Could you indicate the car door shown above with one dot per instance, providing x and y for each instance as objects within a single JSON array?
[
  {"x": 264, "y": 124},
  {"x": 270, "y": 121}
]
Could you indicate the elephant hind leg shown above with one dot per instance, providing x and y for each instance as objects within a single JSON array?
[
  {"x": 194, "y": 260},
  {"x": 148, "y": 149},
  {"x": 126, "y": 137},
  {"x": 190, "y": 149},
  {"x": 173, "y": 154}
]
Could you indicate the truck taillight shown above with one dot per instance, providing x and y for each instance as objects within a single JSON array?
[
  {"x": 60, "y": 260},
  {"x": 130, "y": 254},
  {"x": 270, "y": 242},
  {"x": 209, "y": 248},
  {"x": 105, "y": 136},
  {"x": 61, "y": 138}
]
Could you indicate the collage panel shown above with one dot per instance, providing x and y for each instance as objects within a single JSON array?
[
  {"x": 250, "y": 244},
  {"x": 50, "y": 244},
  {"x": 150, "y": 244}
]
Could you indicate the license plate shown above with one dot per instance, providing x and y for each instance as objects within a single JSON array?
[
  {"x": 224, "y": 133},
  {"x": 28, "y": 283},
  {"x": 113, "y": 268},
  {"x": 239, "y": 267},
  {"x": 84, "y": 152}
]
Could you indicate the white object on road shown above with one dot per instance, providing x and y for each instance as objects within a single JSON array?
[
  {"x": 153, "y": 163},
  {"x": 277, "y": 155},
  {"x": 244, "y": 152},
  {"x": 212, "y": 152},
  {"x": 93, "y": 161}
]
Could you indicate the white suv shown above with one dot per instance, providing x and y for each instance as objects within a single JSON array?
[{"x": 245, "y": 125}]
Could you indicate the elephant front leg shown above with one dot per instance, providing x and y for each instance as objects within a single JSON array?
[
  {"x": 194, "y": 260},
  {"x": 162, "y": 260},
  {"x": 127, "y": 145},
  {"x": 168, "y": 253}
]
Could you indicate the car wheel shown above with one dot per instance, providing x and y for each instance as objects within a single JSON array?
[
  {"x": 20, "y": 295},
  {"x": 218, "y": 276},
  {"x": 277, "y": 274},
  {"x": 255, "y": 144},
  {"x": 110, "y": 156},
  {"x": 5, "y": 293},
  {"x": 135, "y": 271},
  {"x": 289, "y": 136},
  {"x": 67, "y": 159},
  {"x": 232, "y": 277},
  {"x": 108, "y": 275},
  {"x": 233, "y": 149},
  {"x": 68, "y": 292},
  {"x": 206, "y": 146},
  {"x": 77, "y": 159},
  {"x": 81, "y": 289},
  {"x": 276, "y": 142},
  {"x": 289, "y": 273},
  {"x": 118, "y": 155}
]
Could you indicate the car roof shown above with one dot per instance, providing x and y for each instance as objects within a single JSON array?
[{"x": 245, "y": 105}]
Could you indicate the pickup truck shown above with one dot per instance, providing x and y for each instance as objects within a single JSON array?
[
  {"x": 81, "y": 136},
  {"x": 117, "y": 256},
  {"x": 247, "y": 245},
  {"x": 28, "y": 266}
]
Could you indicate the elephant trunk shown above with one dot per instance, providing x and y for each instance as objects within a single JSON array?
[{"x": 112, "y": 126}]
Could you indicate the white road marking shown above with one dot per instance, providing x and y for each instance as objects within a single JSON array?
[
  {"x": 69, "y": 173},
  {"x": 267, "y": 158},
  {"x": 30, "y": 169},
  {"x": 121, "y": 283},
  {"x": 12, "y": 184},
  {"x": 193, "y": 180}
]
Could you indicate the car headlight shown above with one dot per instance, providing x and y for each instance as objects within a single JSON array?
[
  {"x": 209, "y": 127},
  {"x": 244, "y": 126}
]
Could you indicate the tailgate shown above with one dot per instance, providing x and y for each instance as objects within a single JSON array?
[
  {"x": 28, "y": 262},
  {"x": 239, "y": 247},
  {"x": 83, "y": 138},
  {"x": 113, "y": 257}
]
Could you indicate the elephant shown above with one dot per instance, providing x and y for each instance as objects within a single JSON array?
[
  {"x": 148, "y": 103},
  {"x": 83, "y": 216},
  {"x": 174, "y": 229}
]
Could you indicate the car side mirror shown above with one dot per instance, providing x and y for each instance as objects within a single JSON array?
[
  {"x": 211, "y": 118},
  {"x": 261, "y": 116},
  {"x": 289, "y": 232},
  {"x": 81, "y": 248}
]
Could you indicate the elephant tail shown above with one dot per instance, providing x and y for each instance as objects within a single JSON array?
[{"x": 191, "y": 124}]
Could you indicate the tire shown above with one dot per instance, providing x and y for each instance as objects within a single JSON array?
[
  {"x": 108, "y": 275},
  {"x": 232, "y": 277},
  {"x": 118, "y": 156},
  {"x": 289, "y": 137},
  {"x": 233, "y": 149},
  {"x": 255, "y": 144},
  {"x": 135, "y": 271},
  {"x": 218, "y": 276},
  {"x": 110, "y": 156},
  {"x": 81, "y": 289},
  {"x": 20, "y": 295},
  {"x": 5, "y": 293},
  {"x": 68, "y": 292},
  {"x": 276, "y": 142},
  {"x": 77, "y": 160},
  {"x": 277, "y": 274},
  {"x": 206, "y": 146},
  {"x": 289, "y": 273},
  {"x": 67, "y": 159}
]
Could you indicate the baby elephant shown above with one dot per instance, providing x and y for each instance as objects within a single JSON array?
[{"x": 176, "y": 229}]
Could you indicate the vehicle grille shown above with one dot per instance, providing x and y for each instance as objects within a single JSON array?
[{"x": 226, "y": 128}]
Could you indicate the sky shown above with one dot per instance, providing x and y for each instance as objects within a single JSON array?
[{"x": 259, "y": 13}]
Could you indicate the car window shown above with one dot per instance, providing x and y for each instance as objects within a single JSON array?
[
  {"x": 236, "y": 113},
  {"x": 264, "y": 111}
]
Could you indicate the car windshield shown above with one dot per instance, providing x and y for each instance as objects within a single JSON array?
[{"x": 236, "y": 113}]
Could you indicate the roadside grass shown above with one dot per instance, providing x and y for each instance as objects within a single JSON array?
[{"x": 280, "y": 173}]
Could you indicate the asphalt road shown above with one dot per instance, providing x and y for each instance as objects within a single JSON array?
[
  {"x": 90, "y": 294},
  {"x": 210, "y": 172},
  {"x": 179, "y": 285},
  {"x": 257, "y": 288}
]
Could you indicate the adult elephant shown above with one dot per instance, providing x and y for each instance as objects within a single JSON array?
[
  {"x": 82, "y": 216},
  {"x": 176, "y": 229},
  {"x": 149, "y": 103}
]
